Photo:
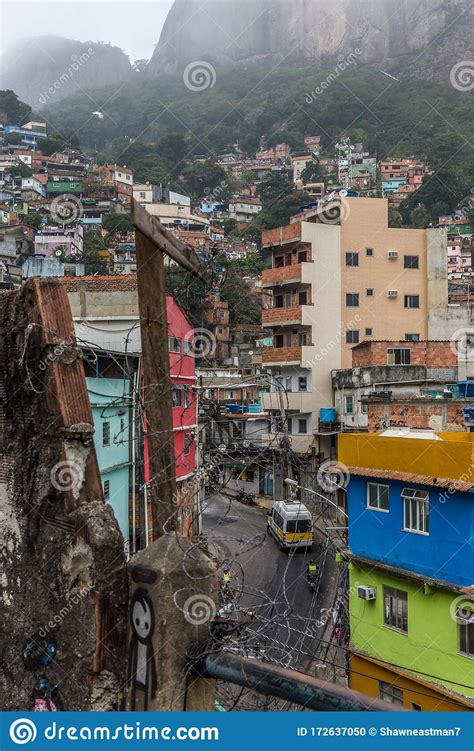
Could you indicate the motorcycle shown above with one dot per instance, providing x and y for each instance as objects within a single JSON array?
[
  {"x": 245, "y": 497},
  {"x": 312, "y": 581}
]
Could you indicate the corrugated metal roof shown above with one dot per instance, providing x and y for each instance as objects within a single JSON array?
[{"x": 389, "y": 474}]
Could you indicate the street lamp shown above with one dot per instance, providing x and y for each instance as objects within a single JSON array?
[{"x": 294, "y": 484}]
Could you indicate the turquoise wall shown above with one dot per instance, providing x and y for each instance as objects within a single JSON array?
[{"x": 110, "y": 402}]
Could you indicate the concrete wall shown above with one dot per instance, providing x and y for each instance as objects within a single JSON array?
[{"x": 366, "y": 226}]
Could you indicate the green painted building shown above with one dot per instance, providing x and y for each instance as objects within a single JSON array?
[{"x": 424, "y": 637}]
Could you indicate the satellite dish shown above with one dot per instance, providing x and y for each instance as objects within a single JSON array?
[
  {"x": 222, "y": 448},
  {"x": 245, "y": 444}
]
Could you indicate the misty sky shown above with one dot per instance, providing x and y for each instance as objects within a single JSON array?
[{"x": 133, "y": 25}]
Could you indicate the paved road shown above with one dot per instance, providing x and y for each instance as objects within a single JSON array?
[{"x": 273, "y": 583}]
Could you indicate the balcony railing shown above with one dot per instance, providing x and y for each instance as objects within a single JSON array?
[
  {"x": 281, "y": 275},
  {"x": 281, "y": 354},
  {"x": 282, "y": 316}
]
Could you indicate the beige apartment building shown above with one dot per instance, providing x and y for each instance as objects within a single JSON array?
[{"x": 339, "y": 276}]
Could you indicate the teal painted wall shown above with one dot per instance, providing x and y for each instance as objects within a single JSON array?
[
  {"x": 432, "y": 643},
  {"x": 109, "y": 397}
]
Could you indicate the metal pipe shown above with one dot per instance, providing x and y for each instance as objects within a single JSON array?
[{"x": 298, "y": 688}]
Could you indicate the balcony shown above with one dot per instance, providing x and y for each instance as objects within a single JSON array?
[
  {"x": 273, "y": 317},
  {"x": 294, "y": 355},
  {"x": 282, "y": 275},
  {"x": 292, "y": 401},
  {"x": 282, "y": 235}
]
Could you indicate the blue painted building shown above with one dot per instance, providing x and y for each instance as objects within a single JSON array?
[
  {"x": 412, "y": 526},
  {"x": 110, "y": 400},
  {"x": 410, "y": 502}
]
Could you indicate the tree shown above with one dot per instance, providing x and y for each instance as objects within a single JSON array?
[
  {"x": 51, "y": 144},
  {"x": 201, "y": 178},
  {"x": 117, "y": 224},
  {"x": 14, "y": 139},
  {"x": 12, "y": 110},
  {"x": 94, "y": 262},
  {"x": 419, "y": 217},
  {"x": 274, "y": 187},
  {"x": 313, "y": 173}
]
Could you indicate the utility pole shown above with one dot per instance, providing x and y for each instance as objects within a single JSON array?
[{"x": 152, "y": 242}]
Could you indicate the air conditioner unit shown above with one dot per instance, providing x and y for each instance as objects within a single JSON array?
[
  {"x": 392, "y": 254},
  {"x": 392, "y": 293},
  {"x": 367, "y": 593}
]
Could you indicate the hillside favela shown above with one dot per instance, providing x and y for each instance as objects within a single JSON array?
[{"x": 237, "y": 371}]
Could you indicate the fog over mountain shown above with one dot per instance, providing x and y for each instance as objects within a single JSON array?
[
  {"x": 44, "y": 70},
  {"x": 301, "y": 31}
]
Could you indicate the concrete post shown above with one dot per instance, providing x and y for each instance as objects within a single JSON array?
[{"x": 173, "y": 600}]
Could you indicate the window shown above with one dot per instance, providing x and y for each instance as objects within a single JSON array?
[
  {"x": 369, "y": 292},
  {"x": 176, "y": 397},
  {"x": 411, "y": 262},
  {"x": 465, "y": 620},
  {"x": 279, "y": 262},
  {"x": 398, "y": 356},
  {"x": 349, "y": 405},
  {"x": 302, "y": 256},
  {"x": 369, "y": 251},
  {"x": 288, "y": 384},
  {"x": 395, "y": 608},
  {"x": 174, "y": 344},
  {"x": 299, "y": 525},
  {"x": 282, "y": 340},
  {"x": 106, "y": 490},
  {"x": 377, "y": 496},
  {"x": 352, "y": 337},
  {"x": 412, "y": 301},
  {"x": 412, "y": 337},
  {"x": 364, "y": 408},
  {"x": 303, "y": 298},
  {"x": 188, "y": 347},
  {"x": 302, "y": 383},
  {"x": 368, "y": 332},
  {"x": 106, "y": 434},
  {"x": 302, "y": 426},
  {"x": 187, "y": 442},
  {"x": 352, "y": 300},
  {"x": 186, "y": 395},
  {"x": 250, "y": 476},
  {"x": 416, "y": 505},
  {"x": 352, "y": 259},
  {"x": 416, "y": 707},
  {"x": 302, "y": 338},
  {"x": 237, "y": 430},
  {"x": 390, "y": 693}
]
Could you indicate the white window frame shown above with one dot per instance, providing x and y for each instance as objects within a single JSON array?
[
  {"x": 396, "y": 608},
  {"x": 392, "y": 356},
  {"x": 419, "y": 513},
  {"x": 377, "y": 508},
  {"x": 465, "y": 620},
  {"x": 349, "y": 397},
  {"x": 390, "y": 693}
]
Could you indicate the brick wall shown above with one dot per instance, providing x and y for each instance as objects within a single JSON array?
[
  {"x": 281, "y": 354},
  {"x": 282, "y": 234},
  {"x": 279, "y": 315},
  {"x": 432, "y": 354},
  {"x": 439, "y": 414}
]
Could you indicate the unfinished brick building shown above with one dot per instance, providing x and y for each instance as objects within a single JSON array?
[{"x": 62, "y": 567}]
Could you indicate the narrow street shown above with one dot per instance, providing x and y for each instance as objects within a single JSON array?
[{"x": 286, "y": 617}]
